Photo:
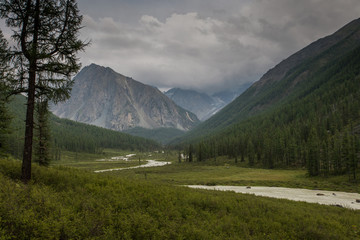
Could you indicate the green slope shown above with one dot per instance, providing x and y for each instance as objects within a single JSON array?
[
  {"x": 303, "y": 113},
  {"x": 72, "y": 136},
  {"x": 289, "y": 80},
  {"x": 161, "y": 135}
]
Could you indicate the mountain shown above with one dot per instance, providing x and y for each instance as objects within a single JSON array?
[
  {"x": 199, "y": 103},
  {"x": 69, "y": 135},
  {"x": 203, "y": 105},
  {"x": 104, "y": 98},
  {"x": 303, "y": 113},
  {"x": 292, "y": 79},
  {"x": 228, "y": 96}
]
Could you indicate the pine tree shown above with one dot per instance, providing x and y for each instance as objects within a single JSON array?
[
  {"x": 200, "y": 153},
  {"x": 313, "y": 154},
  {"x": 46, "y": 41},
  {"x": 42, "y": 148},
  {"x": 191, "y": 150},
  {"x": 4, "y": 78},
  {"x": 251, "y": 154}
]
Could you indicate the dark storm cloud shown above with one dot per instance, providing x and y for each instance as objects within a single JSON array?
[{"x": 206, "y": 45}]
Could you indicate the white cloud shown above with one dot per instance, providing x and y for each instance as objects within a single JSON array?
[{"x": 185, "y": 50}]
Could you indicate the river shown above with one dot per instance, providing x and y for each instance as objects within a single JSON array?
[
  {"x": 150, "y": 163},
  {"x": 344, "y": 199}
]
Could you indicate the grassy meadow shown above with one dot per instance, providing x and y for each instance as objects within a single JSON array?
[
  {"x": 69, "y": 201},
  {"x": 90, "y": 162},
  {"x": 222, "y": 171}
]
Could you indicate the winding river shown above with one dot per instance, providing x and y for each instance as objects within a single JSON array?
[
  {"x": 150, "y": 163},
  {"x": 341, "y": 199}
]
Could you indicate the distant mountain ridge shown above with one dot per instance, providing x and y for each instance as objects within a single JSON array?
[
  {"x": 202, "y": 104},
  {"x": 199, "y": 103},
  {"x": 104, "y": 98}
]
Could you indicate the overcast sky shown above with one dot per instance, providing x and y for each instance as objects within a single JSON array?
[{"x": 206, "y": 45}]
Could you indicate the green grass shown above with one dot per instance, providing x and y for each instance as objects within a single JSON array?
[
  {"x": 89, "y": 161},
  {"x": 223, "y": 171},
  {"x": 69, "y": 203}
]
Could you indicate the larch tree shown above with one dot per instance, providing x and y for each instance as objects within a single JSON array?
[
  {"x": 42, "y": 148},
  {"x": 46, "y": 43},
  {"x": 4, "y": 76}
]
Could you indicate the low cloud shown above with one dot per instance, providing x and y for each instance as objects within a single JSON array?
[{"x": 215, "y": 47}]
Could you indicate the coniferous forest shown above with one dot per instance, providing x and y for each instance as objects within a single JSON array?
[
  {"x": 67, "y": 135},
  {"x": 317, "y": 127}
]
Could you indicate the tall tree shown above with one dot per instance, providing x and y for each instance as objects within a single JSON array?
[
  {"x": 4, "y": 77},
  {"x": 313, "y": 154},
  {"x": 191, "y": 151},
  {"x": 46, "y": 37},
  {"x": 42, "y": 148}
]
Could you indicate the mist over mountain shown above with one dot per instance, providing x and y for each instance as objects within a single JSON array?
[
  {"x": 199, "y": 103},
  {"x": 104, "y": 98},
  {"x": 202, "y": 104}
]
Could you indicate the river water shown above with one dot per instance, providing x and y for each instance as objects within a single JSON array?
[
  {"x": 343, "y": 199},
  {"x": 150, "y": 163}
]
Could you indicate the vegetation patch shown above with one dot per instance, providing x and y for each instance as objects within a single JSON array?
[{"x": 66, "y": 203}]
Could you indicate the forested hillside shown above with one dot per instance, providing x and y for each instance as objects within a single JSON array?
[
  {"x": 161, "y": 135},
  {"x": 309, "y": 118},
  {"x": 71, "y": 136},
  {"x": 285, "y": 81}
]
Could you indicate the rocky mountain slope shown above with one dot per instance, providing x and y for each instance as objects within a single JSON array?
[
  {"x": 67, "y": 135},
  {"x": 104, "y": 98}
]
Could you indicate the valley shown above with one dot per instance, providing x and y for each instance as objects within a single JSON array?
[
  {"x": 105, "y": 156},
  {"x": 112, "y": 204},
  {"x": 258, "y": 182},
  {"x": 222, "y": 171}
]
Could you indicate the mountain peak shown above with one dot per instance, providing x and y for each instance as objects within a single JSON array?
[
  {"x": 98, "y": 68},
  {"x": 105, "y": 98}
]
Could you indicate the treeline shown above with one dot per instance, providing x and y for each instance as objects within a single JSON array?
[
  {"x": 317, "y": 128},
  {"x": 73, "y": 136},
  {"x": 69, "y": 135}
]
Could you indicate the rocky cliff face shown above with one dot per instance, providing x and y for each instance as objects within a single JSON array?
[{"x": 104, "y": 98}]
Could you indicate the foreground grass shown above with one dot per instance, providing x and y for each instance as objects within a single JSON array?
[{"x": 64, "y": 203}]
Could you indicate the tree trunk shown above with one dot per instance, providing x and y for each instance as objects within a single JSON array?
[
  {"x": 29, "y": 126},
  {"x": 29, "y": 122}
]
